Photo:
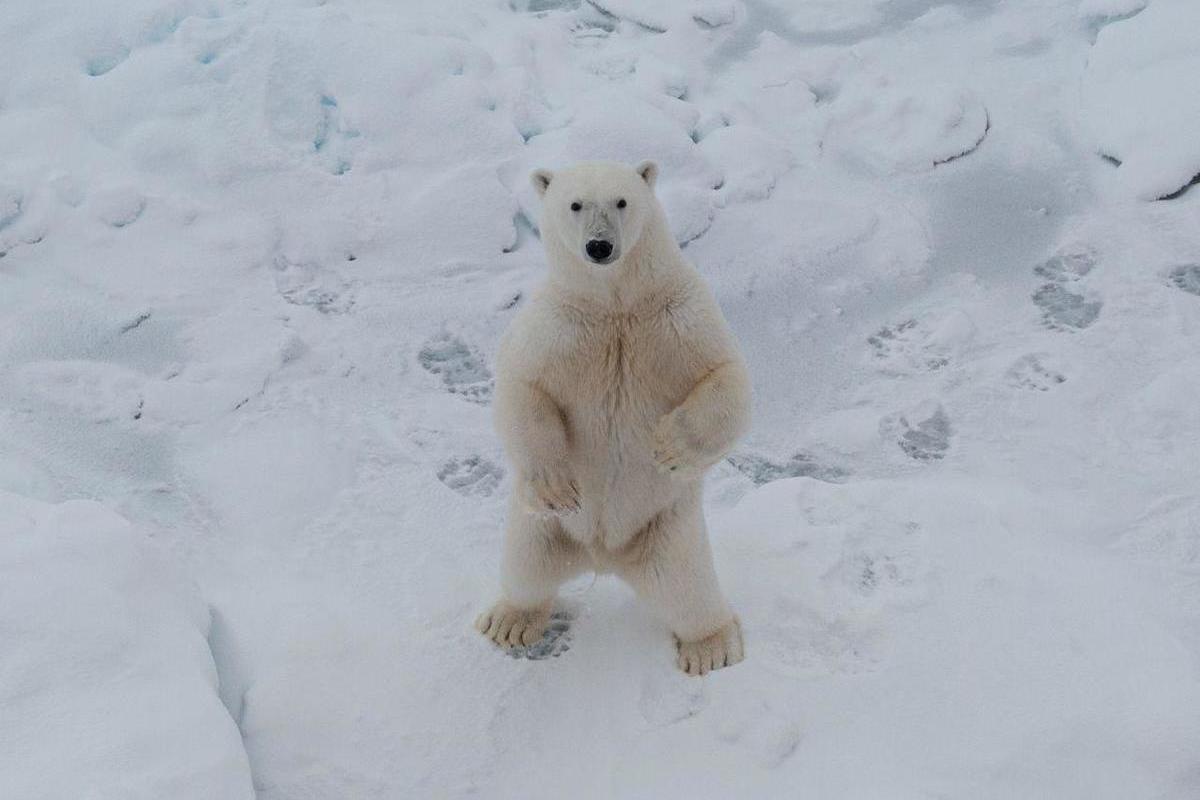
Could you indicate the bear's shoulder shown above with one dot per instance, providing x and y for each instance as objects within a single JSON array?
[{"x": 540, "y": 332}]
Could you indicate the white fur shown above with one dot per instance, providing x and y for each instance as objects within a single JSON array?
[{"x": 618, "y": 386}]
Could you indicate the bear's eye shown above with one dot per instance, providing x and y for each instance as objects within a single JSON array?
[
  {"x": 621, "y": 203},
  {"x": 575, "y": 206}
]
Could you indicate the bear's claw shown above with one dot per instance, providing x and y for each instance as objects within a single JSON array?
[
  {"x": 551, "y": 495},
  {"x": 672, "y": 450},
  {"x": 721, "y": 649},
  {"x": 509, "y": 626}
]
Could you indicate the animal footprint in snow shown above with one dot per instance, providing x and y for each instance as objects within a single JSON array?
[
  {"x": 472, "y": 475},
  {"x": 923, "y": 433},
  {"x": 769, "y": 738},
  {"x": 1070, "y": 265},
  {"x": 881, "y": 566},
  {"x": 1031, "y": 372},
  {"x": 1063, "y": 309},
  {"x": 761, "y": 470},
  {"x": 460, "y": 366},
  {"x": 1066, "y": 308},
  {"x": 333, "y": 140},
  {"x": 670, "y": 696},
  {"x": 895, "y": 343},
  {"x": 1186, "y": 277},
  {"x": 919, "y": 345},
  {"x": 554, "y": 642},
  {"x": 542, "y": 6},
  {"x": 306, "y": 284}
]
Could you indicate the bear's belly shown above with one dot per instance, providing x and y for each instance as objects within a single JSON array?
[
  {"x": 613, "y": 389},
  {"x": 620, "y": 485}
]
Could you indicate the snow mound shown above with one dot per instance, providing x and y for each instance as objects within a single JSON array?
[
  {"x": 751, "y": 160},
  {"x": 105, "y": 663},
  {"x": 1142, "y": 99},
  {"x": 891, "y": 128},
  {"x": 1104, "y": 11}
]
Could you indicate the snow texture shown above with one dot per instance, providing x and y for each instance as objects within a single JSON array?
[
  {"x": 106, "y": 664},
  {"x": 1141, "y": 99},
  {"x": 255, "y": 258}
]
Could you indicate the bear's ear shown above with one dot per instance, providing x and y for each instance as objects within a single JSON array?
[
  {"x": 540, "y": 178},
  {"x": 649, "y": 172}
]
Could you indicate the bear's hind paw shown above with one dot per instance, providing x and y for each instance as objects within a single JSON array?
[
  {"x": 721, "y": 649},
  {"x": 509, "y": 626}
]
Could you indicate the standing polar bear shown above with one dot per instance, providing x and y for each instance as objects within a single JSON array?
[{"x": 618, "y": 386}]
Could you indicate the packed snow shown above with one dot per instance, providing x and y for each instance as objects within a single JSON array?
[
  {"x": 255, "y": 258},
  {"x": 1141, "y": 94},
  {"x": 109, "y": 685}
]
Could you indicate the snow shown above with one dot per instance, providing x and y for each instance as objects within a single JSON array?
[
  {"x": 255, "y": 258},
  {"x": 1142, "y": 104},
  {"x": 106, "y": 664}
]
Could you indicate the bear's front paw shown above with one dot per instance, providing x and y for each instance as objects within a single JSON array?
[
  {"x": 721, "y": 649},
  {"x": 550, "y": 493},
  {"x": 675, "y": 449},
  {"x": 509, "y": 626}
]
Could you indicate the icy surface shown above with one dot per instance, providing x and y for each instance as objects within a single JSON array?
[{"x": 255, "y": 258}]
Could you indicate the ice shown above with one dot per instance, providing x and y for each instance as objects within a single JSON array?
[{"x": 255, "y": 260}]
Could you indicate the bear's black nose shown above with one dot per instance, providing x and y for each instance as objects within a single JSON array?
[{"x": 598, "y": 249}]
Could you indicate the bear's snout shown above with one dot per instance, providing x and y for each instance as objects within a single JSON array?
[{"x": 598, "y": 250}]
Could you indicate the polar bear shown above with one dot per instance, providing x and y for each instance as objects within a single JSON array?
[{"x": 617, "y": 387}]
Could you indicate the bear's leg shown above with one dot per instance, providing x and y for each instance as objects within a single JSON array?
[
  {"x": 538, "y": 558},
  {"x": 670, "y": 565}
]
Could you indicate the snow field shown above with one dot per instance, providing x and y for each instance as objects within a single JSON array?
[{"x": 255, "y": 259}]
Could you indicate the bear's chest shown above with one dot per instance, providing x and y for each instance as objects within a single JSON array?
[{"x": 627, "y": 369}]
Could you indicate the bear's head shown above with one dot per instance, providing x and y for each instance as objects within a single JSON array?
[{"x": 596, "y": 212}]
